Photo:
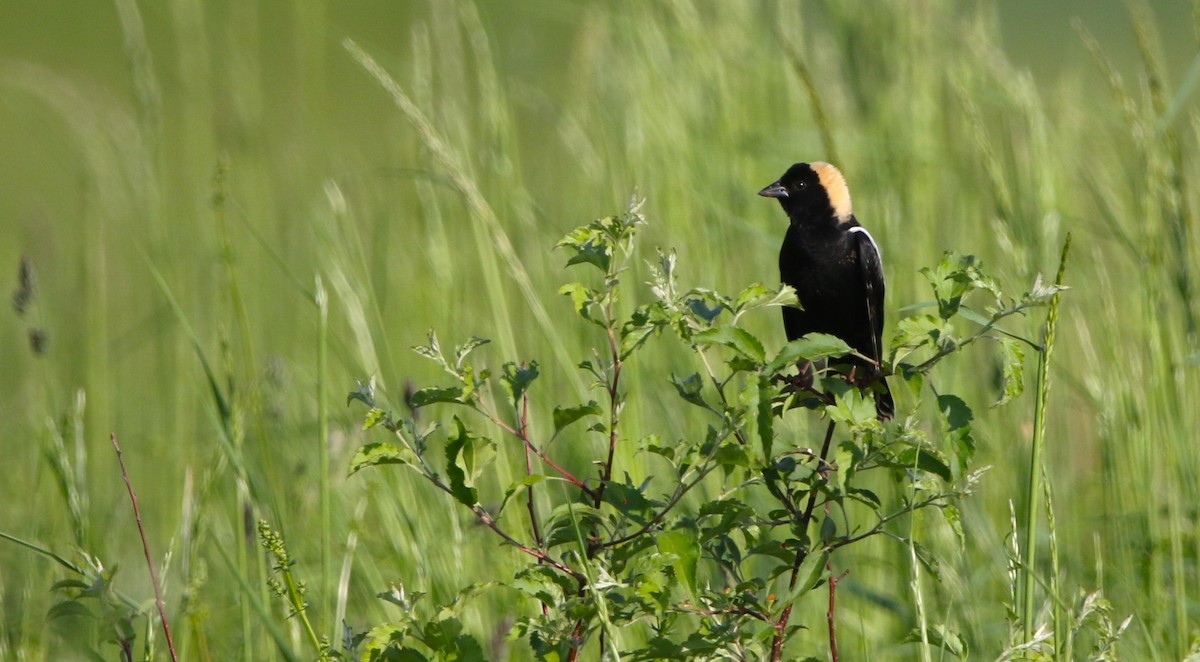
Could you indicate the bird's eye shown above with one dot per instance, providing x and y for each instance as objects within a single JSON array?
[{"x": 800, "y": 186}]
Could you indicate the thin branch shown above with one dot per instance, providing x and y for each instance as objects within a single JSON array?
[
  {"x": 983, "y": 331},
  {"x": 137, "y": 515},
  {"x": 829, "y": 615},
  {"x": 485, "y": 518},
  {"x": 680, "y": 490},
  {"x": 801, "y": 553},
  {"x": 523, "y": 435},
  {"x": 614, "y": 414},
  {"x": 533, "y": 520}
]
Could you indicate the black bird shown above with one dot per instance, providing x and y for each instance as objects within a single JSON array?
[{"x": 836, "y": 269}]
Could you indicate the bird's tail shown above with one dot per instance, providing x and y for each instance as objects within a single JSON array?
[{"x": 885, "y": 407}]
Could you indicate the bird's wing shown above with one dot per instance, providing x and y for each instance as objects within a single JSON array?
[{"x": 870, "y": 265}]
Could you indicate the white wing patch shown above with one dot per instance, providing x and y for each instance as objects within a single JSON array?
[{"x": 878, "y": 253}]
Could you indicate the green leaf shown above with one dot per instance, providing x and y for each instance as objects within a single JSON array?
[
  {"x": 924, "y": 459},
  {"x": 689, "y": 389},
  {"x": 955, "y": 277},
  {"x": 564, "y": 416},
  {"x": 371, "y": 455},
  {"x": 643, "y": 323},
  {"x": 364, "y": 392},
  {"x": 811, "y": 347},
  {"x": 853, "y": 408},
  {"x": 927, "y": 559},
  {"x": 913, "y": 333},
  {"x": 958, "y": 417},
  {"x": 63, "y": 584},
  {"x": 517, "y": 379},
  {"x": 1012, "y": 356},
  {"x": 807, "y": 578},
  {"x": 737, "y": 339},
  {"x": 941, "y": 637},
  {"x": 958, "y": 414},
  {"x": 461, "y": 352},
  {"x": 628, "y": 500},
  {"x": 700, "y": 308},
  {"x": 570, "y": 522},
  {"x": 518, "y": 487},
  {"x": 765, "y": 418},
  {"x": 68, "y": 609},
  {"x": 683, "y": 545},
  {"x": 429, "y": 396},
  {"x": 583, "y": 298},
  {"x": 591, "y": 244},
  {"x": 374, "y": 417},
  {"x": 433, "y": 352},
  {"x": 466, "y": 456}
]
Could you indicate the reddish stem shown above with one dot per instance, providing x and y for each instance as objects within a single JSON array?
[{"x": 137, "y": 515}]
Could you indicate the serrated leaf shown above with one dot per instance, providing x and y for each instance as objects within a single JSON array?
[
  {"x": 684, "y": 546},
  {"x": 807, "y": 577},
  {"x": 364, "y": 392},
  {"x": 583, "y": 298},
  {"x": 461, "y": 352},
  {"x": 765, "y": 418},
  {"x": 957, "y": 413},
  {"x": 70, "y": 583},
  {"x": 955, "y": 277},
  {"x": 373, "y": 418},
  {"x": 68, "y": 609},
  {"x": 371, "y": 455},
  {"x": 434, "y": 395},
  {"x": 518, "y": 487},
  {"x": 433, "y": 352},
  {"x": 627, "y": 499},
  {"x": 564, "y": 416},
  {"x": 464, "y": 493},
  {"x": 843, "y": 458},
  {"x": 570, "y": 523},
  {"x": 863, "y": 495},
  {"x": 927, "y": 559},
  {"x": 811, "y": 347},
  {"x": 517, "y": 379},
  {"x": 751, "y": 294},
  {"x": 941, "y": 637},
  {"x": 689, "y": 389},
  {"x": 924, "y": 459},
  {"x": 700, "y": 308},
  {"x": 853, "y": 408},
  {"x": 1012, "y": 357},
  {"x": 734, "y": 338}
]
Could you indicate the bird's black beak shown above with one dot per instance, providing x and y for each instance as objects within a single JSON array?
[{"x": 775, "y": 190}]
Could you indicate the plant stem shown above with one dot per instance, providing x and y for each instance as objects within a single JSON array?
[
  {"x": 829, "y": 615},
  {"x": 137, "y": 516},
  {"x": 327, "y": 581},
  {"x": 1035, "y": 455},
  {"x": 801, "y": 552}
]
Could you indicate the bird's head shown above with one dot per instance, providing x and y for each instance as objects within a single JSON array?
[{"x": 812, "y": 191}]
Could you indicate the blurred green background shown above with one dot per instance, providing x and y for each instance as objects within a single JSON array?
[{"x": 238, "y": 152}]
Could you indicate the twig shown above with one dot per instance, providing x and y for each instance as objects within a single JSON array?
[
  {"x": 530, "y": 446},
  {"x": 533, "y": 520},
  {"x": 614, "y": 416},
  {"x": 137, "y": 515},
  {"x": 801, "y": 553},
  {"x": 833, "y": 582}
]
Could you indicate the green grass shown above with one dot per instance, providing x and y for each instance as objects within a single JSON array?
[{"x": 174, "y": 195}]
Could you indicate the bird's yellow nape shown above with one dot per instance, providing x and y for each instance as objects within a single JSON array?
[{"x": 835, "y": 187}]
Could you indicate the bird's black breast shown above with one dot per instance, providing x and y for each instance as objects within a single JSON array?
[{"x": 822, "y": 265}]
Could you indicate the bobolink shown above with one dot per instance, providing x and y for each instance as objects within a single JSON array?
[{"x": 836, "y": 269}]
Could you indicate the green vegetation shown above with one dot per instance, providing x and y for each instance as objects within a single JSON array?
[{"x": 226, "y": 236}]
